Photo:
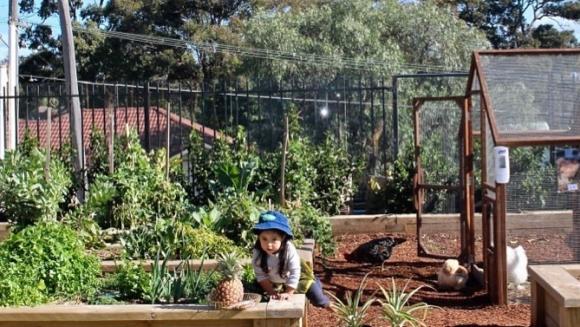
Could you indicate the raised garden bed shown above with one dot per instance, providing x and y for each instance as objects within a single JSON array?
[
  {"x": 274, "y": 313},
  {"x": 555, "y": 295},
  {"x": 305, "y": 251}
]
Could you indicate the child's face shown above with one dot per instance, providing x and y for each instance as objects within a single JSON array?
[{"x": 270, "y": 241}]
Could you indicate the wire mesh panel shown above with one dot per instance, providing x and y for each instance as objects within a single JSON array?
[
  {"x": 541, "y": 217},
  {"x": 531, "y": 93},
  {"x": 438, "y": 127}
]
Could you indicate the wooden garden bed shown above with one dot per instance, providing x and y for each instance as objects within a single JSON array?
[
  {"x": 560, "y": 220},
  {"x": 305, "y": 251},
  {"x": 275, "y": 314},
  {"x": 555, "y": 295}
]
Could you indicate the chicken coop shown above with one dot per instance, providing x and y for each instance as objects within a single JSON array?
[
  {"x": 529, "y": 127},
  {"x": 521, "y": 116}
]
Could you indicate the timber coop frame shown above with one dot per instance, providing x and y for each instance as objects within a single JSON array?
[
  {"x": 520, "y": 105},
  {"x": 514, "y": 98}
]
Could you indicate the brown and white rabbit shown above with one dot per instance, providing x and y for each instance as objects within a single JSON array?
[{"x": 452, "y": 275}]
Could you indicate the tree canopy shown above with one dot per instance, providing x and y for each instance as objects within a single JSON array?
[
  {"x": 385, "y": 37},
  {"x": 507, "y": 25}
]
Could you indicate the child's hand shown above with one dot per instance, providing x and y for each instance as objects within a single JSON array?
[{"x": 282, "y": 296}]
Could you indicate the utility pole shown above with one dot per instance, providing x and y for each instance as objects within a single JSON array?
[
  {"x": 72, "y": 94},
  {"x": 12, "y": 87}
]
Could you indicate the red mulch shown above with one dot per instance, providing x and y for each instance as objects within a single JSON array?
[{"x": 468, "y": 307}]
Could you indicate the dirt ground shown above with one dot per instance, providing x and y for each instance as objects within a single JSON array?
[{"x": 468, "y": 307}]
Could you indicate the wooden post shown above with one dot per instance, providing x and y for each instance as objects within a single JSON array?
[
  {"x": 168, "y": 126},
  {"x": 538, "y": 304},
  {"x": 499, "y": 241},
  {"x": 469, "y": 188},
  {"x": 418, "y": 190},
  {"x": 48, "y": 140},
  {"x": 283, "y": 168},
  {"x": 110, "y": 137}
]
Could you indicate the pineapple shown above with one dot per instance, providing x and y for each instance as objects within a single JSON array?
[{"x": 230, "y": 289}]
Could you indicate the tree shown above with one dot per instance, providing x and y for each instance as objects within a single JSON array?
[
  {"x": 388, "y": 32},
  {"x": 505, "y": 22},
  {"x": 107, "y": 57},
  {"x": 546, "y": 36},
  {"x": 46, "y": 59}
]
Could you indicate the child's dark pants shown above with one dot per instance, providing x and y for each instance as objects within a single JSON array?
[{"x": 316, "y": 295}]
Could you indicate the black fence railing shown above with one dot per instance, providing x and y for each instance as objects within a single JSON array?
[{"x": 355, "y": 112}]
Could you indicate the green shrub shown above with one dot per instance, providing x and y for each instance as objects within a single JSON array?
[
  {"x": 175, "y": 239},
  {"x": 309, "y": 222},
  {"x": 131, "y": 281},
  {"x": 138, "y": 192},
  {"x": 162, "y": 286},
  {"x": 333, "y": 182},
  {"x": 239, "y": 213},
  {"x": 45, "y": 261},
  {"x": 28, "y": 193},
  {"x": 200, "y": 240}
]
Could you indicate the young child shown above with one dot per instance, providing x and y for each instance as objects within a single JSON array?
[{"x": 277, "y": 263}]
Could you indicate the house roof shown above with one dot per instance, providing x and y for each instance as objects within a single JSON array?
[{"x": 96, "y": 118}]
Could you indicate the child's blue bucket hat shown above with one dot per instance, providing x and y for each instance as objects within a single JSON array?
[{"x": 273, "y": 220}]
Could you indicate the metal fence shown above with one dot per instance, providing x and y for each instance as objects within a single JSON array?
[{"x": 355, "y": 112}]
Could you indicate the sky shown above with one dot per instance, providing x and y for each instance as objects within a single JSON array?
[{"x": 5, "y": 4}]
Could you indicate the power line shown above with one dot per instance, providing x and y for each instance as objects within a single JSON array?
[{"x": 215, "y": 47}]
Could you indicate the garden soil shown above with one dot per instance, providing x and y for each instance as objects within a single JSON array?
[{"x": 468, "y": 307}]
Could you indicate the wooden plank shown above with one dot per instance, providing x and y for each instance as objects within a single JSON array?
[
  {"x": 191, "y": 323},
  {"x": 278, "y": 323},
  {"x": 538, "y": 304},
  {"x": 290, "y": 309},
  {"x": 570, "y": 317},
  {"x": 406, "y": 223},
  {"x": 551, "y": 309},
  {"x": 558, "y": 283},
  {"x": 109, "y": 266},
  {"x": 305, "y": 251}
]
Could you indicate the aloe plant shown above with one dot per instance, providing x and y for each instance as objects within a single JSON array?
[
  {"x": 396, "y": 308},
  {"x": 351, "y": 313}
]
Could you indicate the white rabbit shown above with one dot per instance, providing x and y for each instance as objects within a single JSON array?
[
  {"x": 517, "y": 265},
  {"x": 452, "y": 275}
]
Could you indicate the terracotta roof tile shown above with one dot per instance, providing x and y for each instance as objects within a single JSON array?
[{"x": 132, "y": 116}]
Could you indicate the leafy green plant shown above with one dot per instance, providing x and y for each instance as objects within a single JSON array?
[
  {"x": 28, "y": 191},
  {"x": 131, "y": 280},
  {"x": 177, "y": 239},
  {"x": 196, "y": 283},
  {"x": 207, "y": 218},
  {"x": 396, "y": 307},
  {"x": 239, "y": 213},
  {"x": 333, "y": 182},
  {"x": 138, "y": 192},
  {"x": 309, "y": 222},
  {"x": 43, "y": 262},
  {"x": 350, "y": 312},
  {"x": 199, "y": 242},
  {"x": 300, "y": 172},
  {"x": 249, "y": 279},
  {"x": 233, "y": 177},
  {"x": 160, "y": 282},
  {"x": 85, "y": 217}
]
